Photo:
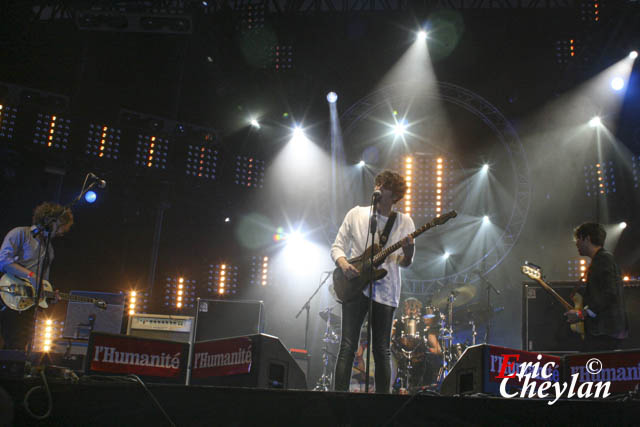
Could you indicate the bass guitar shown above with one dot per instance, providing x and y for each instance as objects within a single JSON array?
[
  {"x": 534, "y": 272},
  {"x": 347, "y": 289},
  {"x": 18, "y": 294}
]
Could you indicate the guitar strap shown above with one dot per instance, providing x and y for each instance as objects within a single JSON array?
[{"x": 387, "y": 228}]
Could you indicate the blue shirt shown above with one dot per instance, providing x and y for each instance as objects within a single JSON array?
[{"x": 20, "y": 246}]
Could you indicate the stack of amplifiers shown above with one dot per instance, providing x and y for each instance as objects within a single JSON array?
[
  {"x": 545, "y": 329},
  {"x": 161, "y": 326}
]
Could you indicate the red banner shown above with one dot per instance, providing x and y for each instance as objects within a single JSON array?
[
  {"x": 119, "y": 354},
  {"x": 222, "y": 357},
  {"x": 622, "y": 368},
  {"x": 507, "y": 362}
]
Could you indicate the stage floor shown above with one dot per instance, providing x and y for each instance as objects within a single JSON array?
[{"x": 103, "y": 401}]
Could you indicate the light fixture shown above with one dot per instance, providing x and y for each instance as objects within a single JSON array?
[
  {"x": 332, "y": 97},
  {"x": 422, "y": 35},
  {"x": 595, "y": 121}
]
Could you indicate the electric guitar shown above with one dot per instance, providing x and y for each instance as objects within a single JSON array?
[
  {"x": 347, "y": 289},
  {"x": 535, "y": 273},
  {"x": 18, "y": 294}
]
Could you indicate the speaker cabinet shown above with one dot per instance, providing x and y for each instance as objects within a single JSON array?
[
  {"x": 544, "y": 328},
  {"x": 253, "y": 361},
  {"x": 84, "y": 317},
  {"x": 224, "y": 319}
]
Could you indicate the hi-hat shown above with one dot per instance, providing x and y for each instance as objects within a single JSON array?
[
  {"x": 463, "y": 294},
  {"x": 336, "y": 321}
]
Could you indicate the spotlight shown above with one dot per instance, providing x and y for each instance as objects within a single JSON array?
[
  {"x": 485, "y": 167},
  {"x": 399, "y": 129},
  {"x": 227, "y": 219},
  {"x": 422, "y": 35},
  {"x": 297, "y": 132},
  {"x": 623, "y": 225},
  {"x": 617, "y": 83},
  {"x": 486, "y": 220},
  {"x": 90, "y": 196},
  {"x": 633, "y": 54},
  {"x": 445, "y": 255},
  {"x": 594, "y": 122},
  {"x": 255, "y": 123},
  {"x": 332, "y": 97},
  {"x": 361, "y": 163}
]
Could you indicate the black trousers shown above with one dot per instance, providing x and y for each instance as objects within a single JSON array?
[
  {"x": 353, "y": 314},
  {"x": 16, "y": 327}
]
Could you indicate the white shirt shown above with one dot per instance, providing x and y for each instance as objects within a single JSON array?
[{"x": 350, "y": 243}]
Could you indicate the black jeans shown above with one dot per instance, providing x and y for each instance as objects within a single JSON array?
[{"x": 353, "y": 314}]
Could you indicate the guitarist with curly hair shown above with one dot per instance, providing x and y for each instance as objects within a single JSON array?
[
  {"x": 352, "y": 241},
  {"x": 22, "y": 255}
]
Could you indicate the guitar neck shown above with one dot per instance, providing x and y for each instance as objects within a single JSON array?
[
  {"x": 69, "y": 297},
  {"x": 382, "y": 255},
  {"x": 554, "y": 293}
]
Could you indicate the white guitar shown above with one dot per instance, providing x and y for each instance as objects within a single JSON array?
[{"x": 18, "y": 294}]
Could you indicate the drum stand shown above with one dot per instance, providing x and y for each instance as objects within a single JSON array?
[
  {"x": 325, "y": 381},
  {"x": 446, "y": 341}
]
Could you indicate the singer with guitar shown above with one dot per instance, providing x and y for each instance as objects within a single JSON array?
[
  {"x": 22, "y": 256},
  {"x": 604, "y": 315},
  {"x": 352, "y": 241}
]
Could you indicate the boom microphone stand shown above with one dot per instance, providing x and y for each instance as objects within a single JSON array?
[
  {"x": 489, "y": 307},
  {"x": 50, "y": 227}
]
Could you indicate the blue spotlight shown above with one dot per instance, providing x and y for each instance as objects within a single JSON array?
[
  {"x": 617, "y": 83},
  {"x": 90, "y": 196},
  {"x": 332, "y": 97}
]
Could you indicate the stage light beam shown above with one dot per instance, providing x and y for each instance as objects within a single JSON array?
[
  {"x": 422, "y": 35},
  {"x": 485, "y": 167},
  {"x": 486, "y": 220},
  {"x": 255, "y": 123},
  {"x": 622, "y": 225},
  {"x": 332, "y": 97},
  {"x": 633, "y": 54},
  {"x": 361, "y": 163}
]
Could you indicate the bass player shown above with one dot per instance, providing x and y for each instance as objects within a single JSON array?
[{"x": 352, "y": 241}]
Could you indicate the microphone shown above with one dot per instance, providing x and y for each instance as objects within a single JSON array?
[
  {"x": 376, "y": 195},
  {"x": 101, "y": 182}
]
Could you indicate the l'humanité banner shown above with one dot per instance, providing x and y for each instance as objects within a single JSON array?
[
  {"x": 123, "y": 354},
  {"x": 231, "y": 356}
]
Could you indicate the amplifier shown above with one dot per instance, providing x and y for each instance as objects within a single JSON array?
[
  {"x": 545, "y": 329},
  {"x": 217, "y": 319},
  {"x": 160, "y": 326}
]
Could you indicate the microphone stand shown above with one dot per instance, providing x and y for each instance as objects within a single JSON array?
[
  {"x": 50, "y": 227},
  {"x": 489, "y": 307},
  {"x": 373, "y": 225},
  {"x": 307, "y": 306}
]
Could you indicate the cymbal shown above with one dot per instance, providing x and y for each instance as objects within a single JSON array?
[
  {"x": 478, "y": 312},
  {"x": 335, "y": 319},
  {"x": 463, "y": 294}
]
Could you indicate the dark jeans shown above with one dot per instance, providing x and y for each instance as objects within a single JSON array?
[
  {"x": 353, "y": 314},
  {"x": 16, "y": 327}
]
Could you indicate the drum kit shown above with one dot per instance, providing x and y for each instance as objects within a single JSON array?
[{"x": 425, "y": 340}]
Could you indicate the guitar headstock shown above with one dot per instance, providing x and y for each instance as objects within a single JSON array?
[
  {"x": 444, "y": 218},
  {"x": 100, "y": 304},
  {"x": 532, "y": 271}
]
